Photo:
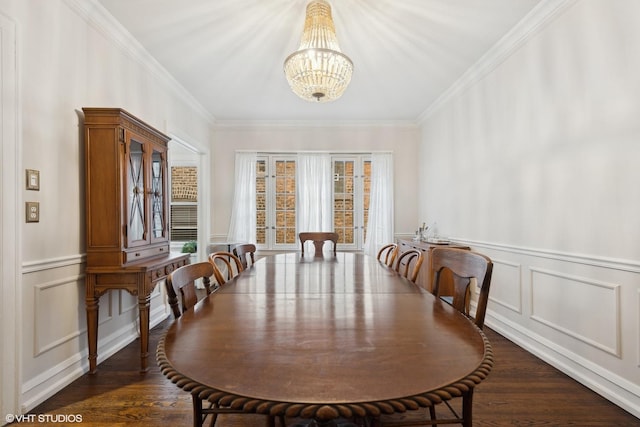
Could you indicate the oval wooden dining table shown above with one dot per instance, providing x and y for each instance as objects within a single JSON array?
[{"x": 324, "y": 338}]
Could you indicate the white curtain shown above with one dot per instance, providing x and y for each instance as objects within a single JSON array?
[
  {"x": 380, "y": 225},
  {"x": 242, "y": 227},
  {"x": 314, "y": 203}
]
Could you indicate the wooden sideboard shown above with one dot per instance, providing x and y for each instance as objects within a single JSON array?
[{"x": 425, "y": 277}]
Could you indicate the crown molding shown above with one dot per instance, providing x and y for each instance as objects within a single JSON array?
[
  {"x": 306, "y": 124},
  {"x": 99, "y": 18},
  {"x": 543, "y": 13}
]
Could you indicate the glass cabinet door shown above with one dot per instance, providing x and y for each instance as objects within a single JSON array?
[
  {"x": 158, "y": 202},
  {"x": 136, "y": 201}
]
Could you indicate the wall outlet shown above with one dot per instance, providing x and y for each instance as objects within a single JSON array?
[{"x": 33, "y": 212}]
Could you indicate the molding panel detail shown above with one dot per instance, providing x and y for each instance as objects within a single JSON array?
[
  {"x": 638, "y": 328},
  {"x": 568, "y": 303},
  {"x": 52, "y": 327},
  {"x": 506, "y": 285}
]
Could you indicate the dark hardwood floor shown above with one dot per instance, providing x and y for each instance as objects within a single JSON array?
[{"x": 521, "y": 390}]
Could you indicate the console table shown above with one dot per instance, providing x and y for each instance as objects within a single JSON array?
[{"x": 139, "y": 279}]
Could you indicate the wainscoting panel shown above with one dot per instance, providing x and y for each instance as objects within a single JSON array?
[
  {"x": 126, "y": 302},
  {"x": 568, "y": 303},
  {"x": 53, "y": 328},
  {"x": 54, "y": 338},
  {"x": 637, "y": 328},
  {"x": 506, "y": 285},
  {"x": 580, "y": 313}
]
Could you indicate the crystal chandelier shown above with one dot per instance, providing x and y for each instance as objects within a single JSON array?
[{"x": 318, "y": 71}]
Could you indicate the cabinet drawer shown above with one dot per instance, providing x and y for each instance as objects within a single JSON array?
[{"x": 142, "y": 253}]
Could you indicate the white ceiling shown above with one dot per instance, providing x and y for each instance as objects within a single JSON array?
[{"x": 229, "y": 53}]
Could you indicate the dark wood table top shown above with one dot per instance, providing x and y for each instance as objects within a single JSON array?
[{"x": 324, "y": 338}]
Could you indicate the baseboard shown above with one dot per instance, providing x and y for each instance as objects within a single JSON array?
[
  {"x": 54, "y": 379},
  {"x": 611, "y": 386}
]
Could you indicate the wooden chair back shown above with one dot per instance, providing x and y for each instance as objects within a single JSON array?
[
  {"x": 245, "y": 252},
  {"x": 226, "y": 266},
  {"x": 404, "y": 262},
  {"x": 387, "y": 254},
  {"x": 182, "y": 282},
  {"x": 464, "y": 265},
  {"x": 318, "y": 238}
]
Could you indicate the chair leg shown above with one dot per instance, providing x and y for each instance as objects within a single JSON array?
[
  {"x": 467, "y": 408},
  {"x": 432, "y": 414},
  {"x": 197, "y": 411}
]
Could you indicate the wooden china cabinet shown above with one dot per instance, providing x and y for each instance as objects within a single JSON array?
[{"x": 127, "y": 208}]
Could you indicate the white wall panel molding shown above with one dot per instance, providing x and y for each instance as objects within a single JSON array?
[
  {"x": 566, "y": 303},
  {"x": 126, "y": 302},
  {"x": 608, "y": 384},
  {"x": 99, "y": 18},
  {"x": 10, "y": 225},
  {"x": 51, "y": 263},
  {"x": 48, "y": 298},
  {"x": 632, "y": 266},
  {"x": 637, "y": 331},
  {"x": 54, "y": 379},
  {"x": 506, "y": 272}
]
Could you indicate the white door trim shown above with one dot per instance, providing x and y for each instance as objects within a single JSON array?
[{"x": 10, "y": 224}]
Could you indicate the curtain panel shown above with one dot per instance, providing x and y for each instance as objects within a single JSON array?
[
  {"x": 381, "y": 205},
  {"x": 314, "y": 210},
  {"x": 242, "y": 227}
]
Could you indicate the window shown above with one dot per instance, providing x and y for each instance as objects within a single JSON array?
[
  {"x": 184, "y": 203},
  {"x": 276, "y": 200}
]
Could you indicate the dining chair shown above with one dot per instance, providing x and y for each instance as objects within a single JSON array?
[
  {"x": 389, "y": 253},
  {"x": 464, "y": 266},
  {"x": 182, "y": 282},
  {"x": 245, "y": 252},
  {"x": 405, "y": 260},
  {"x": 228, "y": 262},
  {"x": 318, "y": 238}
]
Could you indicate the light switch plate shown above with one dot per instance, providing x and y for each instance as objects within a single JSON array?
[
  {"x": 33, "y": 211},
  {"x": 33, "y": 179}
]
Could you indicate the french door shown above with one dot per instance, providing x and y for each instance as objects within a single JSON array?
[{"x": 276, "y": 200}]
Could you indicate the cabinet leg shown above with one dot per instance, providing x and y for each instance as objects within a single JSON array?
[
  {"x": 144, "y": 302},
  {"x": 92, "y": 330}
]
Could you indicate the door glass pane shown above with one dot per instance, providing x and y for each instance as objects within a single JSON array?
[
  {"x": 366, "y": 191},
  {"x": 157, "y": 196},
  {"x": 136, "y": 207},
  {"x": 261, "y": 202},
  {"x": 343, "y": 206},
  {"x": 285, "y": 196}
]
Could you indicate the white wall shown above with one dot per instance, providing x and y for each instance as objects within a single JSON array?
[
  {"x": 536, "y": 165},
  {"x": 401, "y": 139},
  {"x": 70, "y": 54}
]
